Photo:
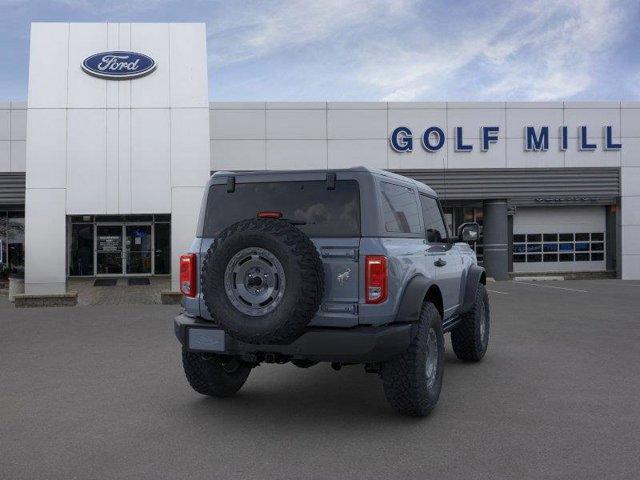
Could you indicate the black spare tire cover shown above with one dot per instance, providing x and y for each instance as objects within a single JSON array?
[{"x": 262, "y": 281}]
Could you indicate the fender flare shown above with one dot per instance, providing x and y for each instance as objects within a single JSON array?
[
  {"x": 412, "y": 299},
  {"x": 475, "y": 275}
]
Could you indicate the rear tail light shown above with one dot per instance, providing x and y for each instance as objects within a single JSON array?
[
  {"x": 269, "y": 214},
  {"x": 376, "y": 278},
  {"x": 188, "y": 269}
]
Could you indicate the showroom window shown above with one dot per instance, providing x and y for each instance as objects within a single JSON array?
[
  {"x": 11, "y": 242},
  {"x": 558, "y": 247}
]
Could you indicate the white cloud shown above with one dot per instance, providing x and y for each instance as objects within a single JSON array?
[
  {"x": 259, "y": 29},
  {"x": 548, "y": 50}
]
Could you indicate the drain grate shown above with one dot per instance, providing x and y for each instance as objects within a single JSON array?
[
  {"x": 138, "y": 281},
  {"x": 105, "y": 282}
]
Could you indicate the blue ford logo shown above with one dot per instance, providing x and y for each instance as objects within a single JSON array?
[{"x": 118, "y": 65}]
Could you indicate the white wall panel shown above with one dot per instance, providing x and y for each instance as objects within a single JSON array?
[
  {"x": 418, "y": 120},
  {"x": 495, "y": 157},
  {"x": 113, "y": 43},
  {"x": 630, "y": 211},
  {"x": 5, "y": 124},
  {"x": 18, "y": 124},
  {"x": 518, "y": 118},
  {"x": 598, "y": 158},
  {"x": 45, "y": 241},
  {"x": 630, "y": 120},
  {"x": 86, "y": 91},
  {"x": 630, "y": 153},
  {"x": 150, "y": 161},
  {"x": 190, "y": 166},
  {"x": 238, "y": 124},
  {"x": 152, "y": 91},
  {"x": 517, "y": 157},
  {"x": 296, "y": 154},
  {"x": 631, "y": 240},
  {"x": 419, "y": 158},
  {"x": 47, "y": 148},
  {"x": 124, "y": 161},
  {"x": 124, "y": 86},
  {"x": 86, "y": 161},
  {"x": 48, "y": 62},
  {"x": 296, "y": 124},
  {"x": 111, "y": 162},
  {"x": 18, "y": 156},
  {"x": 357, "y": 124},
  {"x": 630, "y": 181},
  {"x": 188, "y": 56},
  {"x": 351, "y": 153},
  {"x": 472, "y": 119},
  {"x": 185, "y": 202},
  {"x": 5, "y": 156},
  {"x": 238, "y": 154},
  {"x": 592, "y": 118}
]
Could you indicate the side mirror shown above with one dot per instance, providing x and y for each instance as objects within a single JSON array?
[{"x": 469, "y": 232}]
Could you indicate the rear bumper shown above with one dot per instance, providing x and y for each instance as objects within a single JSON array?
[{"x": 348, "y": 345}]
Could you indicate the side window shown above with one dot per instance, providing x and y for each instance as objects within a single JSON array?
[
  {"x": 433, "y": 222},
  {"x": 400, "y": 209}
]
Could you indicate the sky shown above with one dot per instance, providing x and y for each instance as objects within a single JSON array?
[{"x": 377, "y": 50}]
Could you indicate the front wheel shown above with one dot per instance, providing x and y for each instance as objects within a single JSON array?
[
  {"x": 412, "y": 381},
  {"x": 470, "y": 338},
  {"x": 212, "y": 375}
]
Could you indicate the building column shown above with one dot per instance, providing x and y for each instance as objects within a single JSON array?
[{"x": 495, "y": 239}]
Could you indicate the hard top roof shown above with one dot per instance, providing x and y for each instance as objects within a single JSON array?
[{"x": 373, "y": 171}]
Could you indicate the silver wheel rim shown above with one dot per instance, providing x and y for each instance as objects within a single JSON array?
[
  {"x": 254, "y": 281},
  {"x": 431, "y": 367}
]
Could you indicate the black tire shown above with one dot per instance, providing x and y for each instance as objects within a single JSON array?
[
  {"x": 469, "y": 338},
  {"x": 214, "y": 376},
  {"x": 301, "y": 288},
  {"x": 407, "y": 386}
]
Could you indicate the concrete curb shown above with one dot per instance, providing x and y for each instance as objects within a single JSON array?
[{"x": 24, "y": 300}]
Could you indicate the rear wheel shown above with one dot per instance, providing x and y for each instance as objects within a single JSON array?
[
  {"x": 412, "y": 381},
  {"x": 213, "y": 375}
]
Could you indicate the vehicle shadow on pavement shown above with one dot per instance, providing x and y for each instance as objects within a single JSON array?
[{"x": 285, "y": 394}]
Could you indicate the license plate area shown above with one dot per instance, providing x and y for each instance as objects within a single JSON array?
[{"x": 206, "y": 339}]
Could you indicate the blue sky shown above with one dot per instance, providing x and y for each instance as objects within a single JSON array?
[{"x": 378, "y": 49}]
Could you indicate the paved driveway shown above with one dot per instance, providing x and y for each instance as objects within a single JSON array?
[{"x": 98, "y": 392}]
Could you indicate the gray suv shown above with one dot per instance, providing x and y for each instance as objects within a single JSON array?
[{"x": 352, "y": 266}]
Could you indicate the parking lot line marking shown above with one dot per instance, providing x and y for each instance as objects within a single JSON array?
[
  {"x": 496, "y": 291},
  {"x": 551, "y": 286}
]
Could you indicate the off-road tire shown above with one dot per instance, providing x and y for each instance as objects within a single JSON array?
[
  {"x": 304, "y": 363},
  {"x": 404, "y": 377},
  {"x": 303, "y": 290},
  {"x": 213, "y": 376},
  {"x": 469, "y": 340}
]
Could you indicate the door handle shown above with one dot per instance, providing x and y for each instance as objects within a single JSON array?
[{"x": 440, "y": 263}]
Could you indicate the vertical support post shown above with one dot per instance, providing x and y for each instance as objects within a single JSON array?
[{"x": 496, "y": 239}]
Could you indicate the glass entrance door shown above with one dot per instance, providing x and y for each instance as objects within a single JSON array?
[
  {"x": 139, "y": 250},
  {"x": 109, "y": 249}
]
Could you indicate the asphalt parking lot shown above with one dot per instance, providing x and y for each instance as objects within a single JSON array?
[{"x": 98, "y": 392}]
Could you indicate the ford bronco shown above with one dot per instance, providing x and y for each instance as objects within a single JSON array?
[{"x": 351, "y": 266}]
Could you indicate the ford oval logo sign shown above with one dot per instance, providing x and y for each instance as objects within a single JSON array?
[{"x": 118, "y": 65}]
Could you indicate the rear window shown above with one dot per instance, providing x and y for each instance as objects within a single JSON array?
[
  {"x": 325, "y": 213},
  {"x": 400, "y": 209}
]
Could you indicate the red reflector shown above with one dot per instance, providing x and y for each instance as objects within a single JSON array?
[
  {"x": 269, "y": 214},
  {"x": 376, "y": 278},
  {"x": 188, "y": 269}
]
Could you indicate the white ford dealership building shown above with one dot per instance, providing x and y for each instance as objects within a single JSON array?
[{"x": 102, "y": 169}]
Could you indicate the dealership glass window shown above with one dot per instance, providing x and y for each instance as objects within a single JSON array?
[
  {"x": 558, "y": 247},
  {"x": 81, "y": 251},
  {"x": 100, "y": 244},
  {"x": 11, "y": 242}
]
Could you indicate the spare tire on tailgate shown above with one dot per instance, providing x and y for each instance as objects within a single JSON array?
[{"x": 262, "y": 281}]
